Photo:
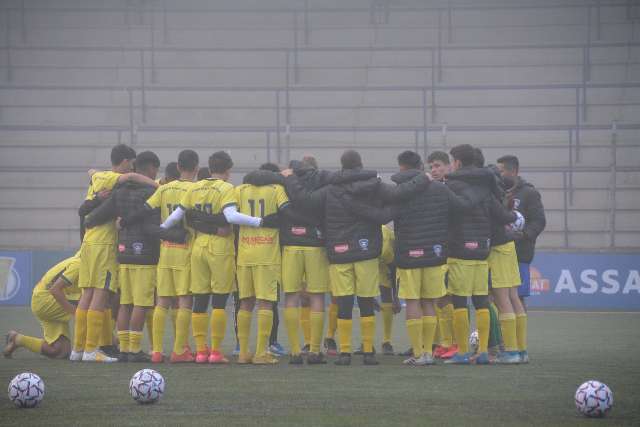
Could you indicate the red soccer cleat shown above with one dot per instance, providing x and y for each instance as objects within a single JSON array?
[
  {"x": 451, "y": 351},
  {"x": 439, "y": 351},
  {"x": 217, "y": 358},
  {"x": 157, "y": 357},
  {"x": 202, "y": 356},
  {"x": 185, "y": 357}
]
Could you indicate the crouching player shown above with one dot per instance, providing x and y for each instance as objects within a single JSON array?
[{"x": 53, "y": 302}]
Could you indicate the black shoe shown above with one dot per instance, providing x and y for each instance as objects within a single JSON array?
[
  {"x": 406, "y": 353},
  {"x": 370, "y": 359},
  {"x": 139, "y": 357},
  {"x": 110, "y": 350},
  {"x": 316, "y": 359},
  {"x": 123, "y": 357},
  {"x": 296, "y": 359},
  {"x": 387, "y": 349},
  {"x": 305, "y": 350},
  {"x": 344, "y": 359}
]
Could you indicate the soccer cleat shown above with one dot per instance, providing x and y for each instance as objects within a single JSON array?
[
  {"x": 316, "y": 359},
  {"x": 459, "y": 359},
  {"x": 387, "y": 349},
  {"x": 110, "y": 350},
  {"x": 76, "y": 356},
  {"x": 296, "y": 359},
  {"x": 217, "y": 358},
  {"x": 244, "y": 359},
  {"x": 344, "y": 359},
  {"x": 157, "y": 357},
  {"x": 139, "y": 357},
  {"x": 330, "y": 347},
  {"x": 10, "y": 344},
  {"x": 369, "y": 359},
  {"x": 123, "y": 357},
  {"x": 265, "y": 359},
  {"x": 236, "y": 351},
  {"x": 277, "y": 350},
  {"x": 425, "y": 359},
  {"x": 451, "y": 351},
  {"x": 482, "y": 359},
  {"x": 508, "y": 358},
  {"x": 185, "y": 357},
  {"x": 202, "y": 356},
  {"x": 439, "y": 351},
  {"x": 524, "y": 357},
  {"x": 305, "y": 349},
  {"x": 406, "y": 353},
  {"x": 97, "y": 356}
]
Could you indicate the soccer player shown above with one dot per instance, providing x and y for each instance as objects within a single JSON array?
[
  {"x": 389, "y": 303},
  {"x": 523, "y": 197},
  {"x": 98, "y": 276},
  {"x": 53, "y": 303},
  {"x": 174, "y": 265},
  {"x": 213, "y": 265},
  {"x": 171, "y": 173}
]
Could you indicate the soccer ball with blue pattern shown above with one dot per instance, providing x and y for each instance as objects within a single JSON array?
[
  {"x": 594, "y": 399},
  {"x": 146, "y": 386},
  {"x": 474, "y": 341},
  {"x": 26, "y": 390}
]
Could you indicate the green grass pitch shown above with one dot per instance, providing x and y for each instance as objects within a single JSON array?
[{"x": 566, "y": 349}]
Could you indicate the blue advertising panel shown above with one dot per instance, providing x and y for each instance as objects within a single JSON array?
[
  {"x": 15, "y": 278},
  {"x": 585, "y": 281}
]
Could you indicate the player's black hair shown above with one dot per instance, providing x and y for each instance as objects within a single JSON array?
[
  {"x": 122, "y": 152},
  {"x": 410, "y": 159},
  {"x": 270, "y": 167},
  {"x": 188, "y": 160},
  {"x": 438, "y": 156},
  {"x": 464, "y": 153},
  {"x": 220, "y": 162},
  {"x": 351, "y": 159},
  {"x": 171, "y": 172},
  {"x": 478, "y": 158},
  {"x": 204, "y": 173},
  {"x": 510, "y": 162},
  {"x": 146, "y": 159}
]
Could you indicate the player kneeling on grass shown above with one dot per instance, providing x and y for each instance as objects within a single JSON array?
[
  {"x": 138, "y": 252},
  {"x": 52, "y": 302}
]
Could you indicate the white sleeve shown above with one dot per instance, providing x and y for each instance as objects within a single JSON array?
[
  {"x": 234, "y": 217},
  {"x": 174, "y": 218}
]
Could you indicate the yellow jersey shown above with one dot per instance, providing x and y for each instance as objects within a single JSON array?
[
  {"x": 105, "y": 234},
  {"x": 259, "y": 246},
  {"x": 67, "y": 269},
  {"x": 167, "y": 198},
  {"x": 211, "y": 195}
]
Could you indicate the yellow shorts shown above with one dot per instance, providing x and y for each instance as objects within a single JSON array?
[
  {"x": 173, "y": 282},
  {"x": 137, "y": 284},
  {"x": 385, "y": 280},
  {"x": 302, "y": 264},
  {"x": 417, "y": 283},
  {"x": 468, "y": 277},
  {"x": 52, "y": 317},
  {"x": 503, "y": 264},
  {"x": 211, "y": 274},
  {"x": 260, "y": 281},
  {"x": 99, "y": 267},
  {"x": 360, "y": 278}
]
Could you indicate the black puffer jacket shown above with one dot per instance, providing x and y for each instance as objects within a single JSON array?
[
  {"x": 421, "y": 224},
  {"x": 523, "y": 197}
]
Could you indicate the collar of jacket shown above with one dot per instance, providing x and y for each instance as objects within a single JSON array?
[
  {"x": 406, "y": 175},
  {"x": 263, "y": 177}
]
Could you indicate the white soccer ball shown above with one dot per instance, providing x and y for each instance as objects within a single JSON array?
[
  {"x": 146, "y": 386},
  {"x": 26, "y": 390},
  {"x": 474, "y": 340},
  {"x": 594, "y": 399}
]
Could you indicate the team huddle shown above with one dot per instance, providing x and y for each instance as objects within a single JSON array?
[{"x": 179, "y": 247}]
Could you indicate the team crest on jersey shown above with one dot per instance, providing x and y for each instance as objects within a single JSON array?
[
  {"x": 516, "y": 204},
  {"x": 137, "y": 248},
  {"x": 364, "y": 244},
  {"x": 416, "y": 253},
  {"x": 471, "y": 245},
  {"x": 319, "y": 233},
  {"x": 437, "y": 249},
  {"x": 340, "y": 249},
  {"x": 298, "y": 231},
  {"x": 121, "y": 248}
]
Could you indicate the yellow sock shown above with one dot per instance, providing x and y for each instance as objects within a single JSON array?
[
  {"x": 199, "y": 325},
  {"x": 218, "y": 327},
  {"x": 159, "y": 320},
  {"x": 344, "y": 334},
  {"x": 508, "y": 329},
  {"x": 305, "y": 324},
  {"x": 445, "y": 323},
  {"x": 135, "y": 341},
  {"x": 387, "y": 321},
  {"x": 461, "y": 329},
  {"x": 123, "y": 337},
  {"x": 521, "y": 328},
  {"x": 244, "y": 330},
  {"x": 265, "y": 321},
  {"x": 414, "y": 329},
  {"x": 368, "y": 332},
  {"x": 32, "y": 344},
  {"x": 183, "y": 319},
  {"x": 429, "y": 326},
  {"x": 148, "y": 321},
  {"x": 106, "y": 337},
  {"x": 317, "y": 328},
  {"x": 173, "y": 313},
  {"x": 292, "y": 321},
  {"x": 80, "y": 330},
  {"x": 332, "y": 321},
  {"x": 483, "y": 321},
  {"x": 94, "y": 329}
]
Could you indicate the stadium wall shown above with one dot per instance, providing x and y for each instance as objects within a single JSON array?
[{"x": 572, "y": 280}]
